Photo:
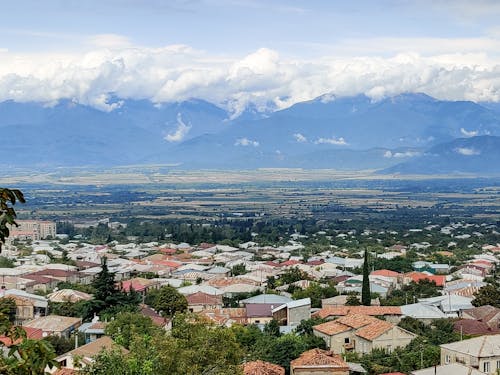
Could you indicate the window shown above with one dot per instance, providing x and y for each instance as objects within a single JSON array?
[
  {"x": 389, "y": 348},
  {"x": 346, "y": 340},
  {"x": 447, "y": 359},
  {"x": 498, "y": 364},
  {"x": 486, "y": 367}
]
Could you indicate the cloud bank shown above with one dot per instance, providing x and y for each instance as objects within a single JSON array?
[{"x": 179, "y": 72}]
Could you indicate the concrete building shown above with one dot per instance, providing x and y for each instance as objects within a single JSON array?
[
  {"x": 362, "y": 334},
  {"x": 33, "y": 229},
  {"x": 292, "y": 313},
  {"x": 482, "y": 353}
]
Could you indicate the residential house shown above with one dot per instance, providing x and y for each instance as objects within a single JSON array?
[
  {"x": 200, "y": 301},
  {"x": 319, "y": 362},
  {"x": 390, "y": 313},
  {"x": 292, "y": 313},
  {"x": 68, "y": 295},
  {"x": 425, "y": 313},
  {"x": 482, "y": 353},
  {"x": 28, "y": 306},
  {"x": 473, "y": 327},
  {"x": 341, "y": 300},
  {"x": 259, "y": 309},
  {"x": 451, "y": 304},
  {"x": 92, "y": 330},
  {"x": 55, "y": 325},
  {"x": 440, "y": 280},
  {"x": 139, "y": 284},
  {"x": 362, "y": 334},
  {"x": 226, "y": 316},
  {"x": 487, "y": 314},
  {"x": 262, "y": 368},
  {"x": 85, "y": 354},
  {"x": 449, "y": 369}
]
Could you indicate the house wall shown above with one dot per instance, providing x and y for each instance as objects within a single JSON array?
[
  {"x": 298, "y": 314},
  {"x": 337, "y": 343},
  {"x": 450, "y": 356},
  {"x": 395, "y": 337},
  {"x": 281, "y": 316}
]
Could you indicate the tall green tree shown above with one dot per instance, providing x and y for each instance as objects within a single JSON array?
[
  {"x": 167, "y": 300},
  {"x": 365, "y": 289},
  {"x": 8, "y": 198}
]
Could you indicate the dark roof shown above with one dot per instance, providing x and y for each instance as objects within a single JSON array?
[{"x": 474, "y": 327}]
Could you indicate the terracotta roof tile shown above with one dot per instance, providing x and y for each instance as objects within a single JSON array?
[
  {"x": 319, "y": 357},
  {"x": 331, "y": 328},
  {"x": 356, "y": 320},
  {"x": 386, "y": 273},
  {"x": 334, "y": 311},
  {"x": 262, "y": 368},
  {"x": 374, "y": 330},
  {"x": 201, "y": 298}
]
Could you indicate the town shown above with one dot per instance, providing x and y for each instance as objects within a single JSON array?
[{"x": 296, "y": 306}]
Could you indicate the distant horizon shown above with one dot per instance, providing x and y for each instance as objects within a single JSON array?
[{"x": 248, "y": 51}]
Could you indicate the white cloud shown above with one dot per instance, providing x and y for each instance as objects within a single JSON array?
[
  {"x": 406, "y": 154},
  {"x": 332, "y": 141},
  {"x": 246, "y": 142},
  {"x": 178, "y": 72},
  {"x": 109, "y": 41},
  {"x": 467, "y": 151},
  {"x": 300, "y": 138},
  {"x": 471, "y": 133},
  {"x": 181, "y": 131}
]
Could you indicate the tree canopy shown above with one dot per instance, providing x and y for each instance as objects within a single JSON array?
[{"x": 8, "y": 198}]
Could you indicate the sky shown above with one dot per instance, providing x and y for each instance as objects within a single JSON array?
[{"x": 272, "y": 53}]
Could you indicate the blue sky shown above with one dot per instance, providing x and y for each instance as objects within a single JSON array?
[{"x": 235, "y": 51}]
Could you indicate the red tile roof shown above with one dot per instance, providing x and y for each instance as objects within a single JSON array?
[
  {"x": 334, "y": 311},
  {"x": 440, "y": 280},
  {"x": 319, "y": 358},
  {"x": 386, "y": 273},
  {"x": 262, "y": 368},
  {"x": 200, "y": 298},
  {"x": 31, "y": 333}
]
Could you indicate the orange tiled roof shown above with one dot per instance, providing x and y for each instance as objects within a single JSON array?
[
  {"x": 386, "y": 273},
  {"x": 333, "y": 311},
  {"x": 440, "y": 280},
  {"x": 374, "y": 330},
  {"x": 331, "y": 328},
  {"x": 222, "y": 316},
  {"x": 318, "y": 357},
  {"x": 357, "y": 320},
  {"x": 262, "y": 368}
]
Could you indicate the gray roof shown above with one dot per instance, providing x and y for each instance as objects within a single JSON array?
[
  {"x": 450, "y": 369},
  {"x": 422, "y": 311},
  {"x": 293, "y": 304},
  {"x": 483, "y": 346},
  {"x": 274, "y": 299},
  {"x": 449, "y": 302}
]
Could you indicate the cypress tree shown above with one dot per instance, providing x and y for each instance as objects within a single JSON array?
[{"x": 365, "y": 290}]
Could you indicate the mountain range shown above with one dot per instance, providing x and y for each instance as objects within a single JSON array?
[{"x": 407, "y": 133}]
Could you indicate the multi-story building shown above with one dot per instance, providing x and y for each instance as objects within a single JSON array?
[{"x": 33, "y": 229}]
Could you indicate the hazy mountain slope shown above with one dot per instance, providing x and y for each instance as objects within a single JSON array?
[{"x": 478, "y": 155}]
